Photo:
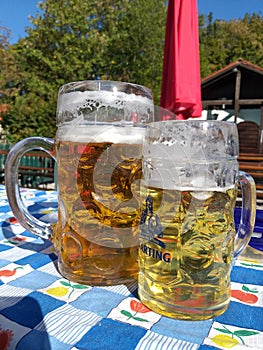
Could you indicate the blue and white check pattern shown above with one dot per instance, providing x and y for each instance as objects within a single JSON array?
[{"x": 39, "y": 309}]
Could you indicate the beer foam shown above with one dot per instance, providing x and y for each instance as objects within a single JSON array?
[
  {"x": 101, "y": 133},
  {"x": 87, "y": 104},
  {"x": 198, "y": 192},
  {"x": 189, "y": 177},
  {"x": 101, "y": 98}
]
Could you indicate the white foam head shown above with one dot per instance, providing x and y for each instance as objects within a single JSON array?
[
  {"x": 101, "y": 133},
  {"x": 97, "y": 99},
  {"x": 95, "y": 102}
]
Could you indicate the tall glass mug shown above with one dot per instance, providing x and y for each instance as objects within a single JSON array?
[
  {"x": 188, "y": 239},
  {"x": 98, "y": 145}
]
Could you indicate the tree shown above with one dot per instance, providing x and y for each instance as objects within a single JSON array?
[
  {"x": 79, "y": 40},
  {"x": 10, "y": 75},
  {"x": 222, "y": 42},
  {"x": 245, "y": 39},
  {"x": 10, "y": 78},
  {"x": 110, "y": 39}
]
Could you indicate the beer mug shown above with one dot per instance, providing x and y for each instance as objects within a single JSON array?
[
  {"x": 97, "y": 148},
  {"x": 188, "y": 238}
]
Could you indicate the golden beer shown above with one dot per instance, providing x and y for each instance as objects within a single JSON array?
[
  {"x": 99, "y": 211},
  {"x": 186, "y": 250},
  {"x": 98, "y": 150}
]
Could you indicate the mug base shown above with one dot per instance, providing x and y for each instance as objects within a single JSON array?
[
  {"x": 97, "y": 280},
  {"x": 182, "y": 313}
]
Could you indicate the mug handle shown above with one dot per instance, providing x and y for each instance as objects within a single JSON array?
[
  {"x": 248, "y": 212},
  {"x": 28, "y": 221}
]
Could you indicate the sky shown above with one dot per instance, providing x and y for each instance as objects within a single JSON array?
[{"x": 14, "y": 13}]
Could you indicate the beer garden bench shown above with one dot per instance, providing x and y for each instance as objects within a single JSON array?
[
  {"x": 252, "y": 163},
  {"x": 36, "y": 169},
  {"x": 251, "y": 153}
]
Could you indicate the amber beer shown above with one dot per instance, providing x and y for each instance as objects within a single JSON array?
[
  {"x": 98, "y": 152},
  {"x": 185, "y": 261},
  {"x": 99, "y": 209}
]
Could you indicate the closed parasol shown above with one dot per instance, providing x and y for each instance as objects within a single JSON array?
[{"x": 181, "y": 86}]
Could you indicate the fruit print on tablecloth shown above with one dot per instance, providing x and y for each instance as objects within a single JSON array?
[
  {"x": 132, "y": 311},
  {"x": 65, "y": 290},
  {"x": 247, "y": 294},
  {"x": 227, "y": 337},
  {"x": 13, "y": 271}
]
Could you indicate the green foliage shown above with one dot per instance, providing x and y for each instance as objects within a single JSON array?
[
  {"x": 222, "y": 42},
  {"x": 77, "y": 40},
  {"x": 111, "y": 39}
]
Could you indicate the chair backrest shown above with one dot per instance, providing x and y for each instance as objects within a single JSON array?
[{"x": 249, "y": 137}]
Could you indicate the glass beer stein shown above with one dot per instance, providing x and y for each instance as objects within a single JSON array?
[
  {"x": 188, "y": 238},
  {"x": 98, "y": 143}
]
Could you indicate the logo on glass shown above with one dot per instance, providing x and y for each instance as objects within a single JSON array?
[{"x": 152, "y": 232}]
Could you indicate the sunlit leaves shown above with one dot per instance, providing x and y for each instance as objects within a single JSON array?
[
  {"x": 76, "y": 40},
  {"x": 222, "y": 42},
  {"x": 108, "y": 39}
]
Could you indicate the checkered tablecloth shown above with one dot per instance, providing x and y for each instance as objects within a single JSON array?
[{"x": 40, "y": 310}]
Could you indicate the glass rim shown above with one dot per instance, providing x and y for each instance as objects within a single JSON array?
[
  {"x": 105, "y": 85},
  {"x": 190, "y": 121}
]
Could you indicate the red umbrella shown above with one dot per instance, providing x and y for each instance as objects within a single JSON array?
[{"x": 181, "y": 86}]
